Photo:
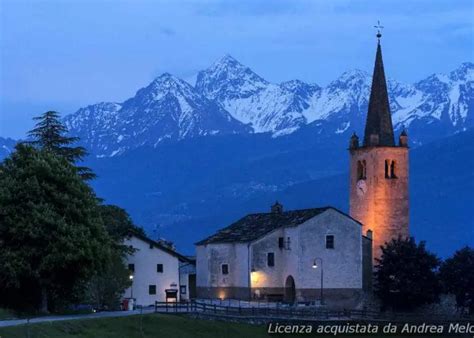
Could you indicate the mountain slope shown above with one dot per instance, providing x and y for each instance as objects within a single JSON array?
[
  {"x": 190, "y": 188},
  {"x": 167, "y": 109},
  {"x": 229, "y": 98},
  {"x": 7, "y": 145}
]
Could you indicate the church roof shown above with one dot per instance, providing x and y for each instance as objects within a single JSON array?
[
  {"x": 254, "y": 226},
  {"x": 379, "y": 119}
]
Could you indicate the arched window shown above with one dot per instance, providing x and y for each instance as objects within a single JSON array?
[
  {"x": 361, "y": 170},
  {"x": 392, "y": 170}
]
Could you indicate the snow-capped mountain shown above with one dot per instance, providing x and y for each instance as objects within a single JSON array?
[
  {"x": 251, "y": 99},
  {"x": 6, "y": 146},
  {"x": 229, "y": 97},
  {"x": 167, "y": 109},
  {"x": 283, "y": 108}
]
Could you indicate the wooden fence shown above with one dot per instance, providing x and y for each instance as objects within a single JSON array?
[{"x": 292, "y": 312}]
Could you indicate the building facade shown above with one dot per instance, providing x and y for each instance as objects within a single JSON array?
[
  {"x": 155, "y": 269},
  {"x": 281, "y": 255},
  {"x": 379, "y": 196}
]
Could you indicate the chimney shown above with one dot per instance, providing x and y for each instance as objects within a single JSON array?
[{"x": 277, "y": 208}]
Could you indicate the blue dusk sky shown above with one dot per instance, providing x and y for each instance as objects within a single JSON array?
[{"x": 63, "y": 55}]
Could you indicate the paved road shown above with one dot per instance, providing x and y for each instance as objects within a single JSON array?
[{"x": 14, "y": 322}]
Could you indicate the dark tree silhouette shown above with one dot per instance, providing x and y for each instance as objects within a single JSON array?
[
  {"x": 457, "y": 276},
  {"x": 50, "y": 134},
  {"x": 406, "y": 275}
]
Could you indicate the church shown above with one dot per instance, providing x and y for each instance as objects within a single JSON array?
[{"x": 319, "y": 254}]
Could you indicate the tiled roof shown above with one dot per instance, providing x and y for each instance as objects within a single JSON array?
[{"x": 254, "y": 226}]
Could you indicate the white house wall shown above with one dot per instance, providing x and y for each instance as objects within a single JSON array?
[{"x": 145, "y": 260}]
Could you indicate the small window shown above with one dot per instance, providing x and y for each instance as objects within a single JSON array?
[
  {"x": 329, "y": 242},
  {"x": 159, "y": 267},
  {"x": 271, "y": 259},
  {"x": 152, "y": 289},
  {"x": 361, "y": 170},
  {"x": 392, "y": 170},
  {"x": 182, "y": 289},
  {"x": 131, "y": 267},
  {"x": 281, "y": 242},
  {"x": 225, "y": 269},
  {"x": 288, "y": 243}
]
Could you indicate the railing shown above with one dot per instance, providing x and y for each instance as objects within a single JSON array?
[{"x": 278, "y": 310}]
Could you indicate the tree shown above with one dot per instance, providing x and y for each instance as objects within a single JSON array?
[
  {"x": 51, "y": 231},
  {"x": 49, "y": 134},
  {"x": 406, "y": 275},
  {"x": 107, "y": 285},
  {"x": 117, "y": 222},
  {"x": 457, "y": 276}
]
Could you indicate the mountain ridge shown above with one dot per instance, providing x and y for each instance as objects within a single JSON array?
[{"x": 229, "y": 97}]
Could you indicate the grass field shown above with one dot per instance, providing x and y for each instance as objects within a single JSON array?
[
  {"x": 146, "y": 326},
  {"x": 129, "y": 327}
]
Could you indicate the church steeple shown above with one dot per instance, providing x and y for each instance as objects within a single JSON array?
[{"x": 378, "y": 127}]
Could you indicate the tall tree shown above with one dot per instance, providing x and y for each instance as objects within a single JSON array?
[
  {"x": 457, "y": 276},
  {"x": 50, "y": 134},
  {"x": 406, "y": 275},
  {"x": 51, "y": 232}
]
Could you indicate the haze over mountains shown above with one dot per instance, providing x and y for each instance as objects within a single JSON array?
[{"x": 187, "y": 159}]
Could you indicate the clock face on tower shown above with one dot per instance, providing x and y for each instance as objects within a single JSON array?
[{"x": 361, "y": 187}]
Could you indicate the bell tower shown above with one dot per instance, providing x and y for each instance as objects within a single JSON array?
[{"x": 379, "y": 168}]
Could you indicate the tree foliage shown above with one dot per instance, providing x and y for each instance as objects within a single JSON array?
[
  {"x": 51, "y": 232},
  {"x": 106, "y": 287},
  {"x": 406, "y": 275},
  {"x": 118, "y": 222},
  {"x": 49, "y": 134},
  {"x": 457, "y": 276}
]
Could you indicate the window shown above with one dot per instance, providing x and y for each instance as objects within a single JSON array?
[
  {"x": 225, "y": 269},
  {"x": 330, "y": 242},
  {"x": 159, "y": 267},
  {"x": 182, "y": 289},
  {"x": 270, "y": 259},
  {"x": 152, "y": 289},
  {"x": 131, "y": 267},
  {"x": 361, "y": 170},
  {"x": 281, "y": 242},
  {"x": 288, "y": 243},
  {"x": 390, "y": 169}
]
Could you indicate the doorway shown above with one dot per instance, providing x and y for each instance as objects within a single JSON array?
[{"x": 290, "y": 290}]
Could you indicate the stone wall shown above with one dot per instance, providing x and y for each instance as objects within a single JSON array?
[{"x": 381, "y": 204}]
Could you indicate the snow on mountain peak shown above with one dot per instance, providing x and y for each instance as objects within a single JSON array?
[
  {"x": 230, "y": 98},
  {"x": 228, "y": 77}
]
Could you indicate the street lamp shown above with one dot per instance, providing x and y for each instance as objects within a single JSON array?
[
  {"x": 131, "y": 286},
  {"x": 315, "y": 266}
]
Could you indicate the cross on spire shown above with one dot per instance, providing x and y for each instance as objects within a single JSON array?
[{"x": 379, "y": 29}]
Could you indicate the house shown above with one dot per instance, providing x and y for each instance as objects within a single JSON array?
[
  {"x": 158, "y": 271},
  {"x": 287, "y": 255}
]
